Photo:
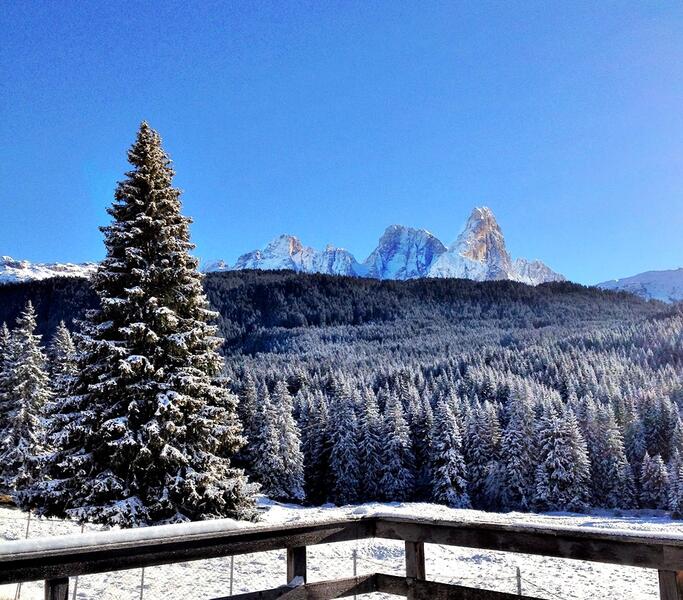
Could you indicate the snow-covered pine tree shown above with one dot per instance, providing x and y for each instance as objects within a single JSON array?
[
  {"x": 398, "y": 477},
  {"x": 316, "y": 448},
  {"x": 370, "y": 446},
  {"x": 61, "y": 355},
  {"x": 634, "y": 442},
  {"x": 148, "y": 429},
  {"x": 518, "y": 454},
  {"x": 654, "y": 482},
  {"x": 22, "y": 439},
  {"x": 612, "y": 482},
  {"x": 344, "y": 441},
  {"x": 676, "y": 493},
  {"x": 5, "y": 381},
  {"x": 289, "y": 441},
  {"x": 246, "y": 411},
  {"x": 563, "y": 473},
  {"x": 267, "y": 467},
  {"x": 449, "y": 474},
  {"x": 481, "y": 453}
]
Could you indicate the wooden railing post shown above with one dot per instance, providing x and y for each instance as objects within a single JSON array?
[
  {"x": 415, "y": 566},
  {"x": 671, "y": 585},
  {"x": 57, "y": 589},
  {"x": 296, "y": 563}
]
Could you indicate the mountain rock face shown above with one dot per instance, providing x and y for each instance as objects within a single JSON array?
[
  {"x": 533, "y": 272},
  {"x": 666, "y": 286},
  {"x": 479, "y": 253},
  {"x": 287, "y": 252},
  {"x": 13, "y": 271},
  {"x": 403, "y": 253}
]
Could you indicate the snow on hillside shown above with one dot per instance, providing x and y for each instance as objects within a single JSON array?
[
  {"x": 666, "y": 286},
  {"x": 542, "y": 577},
  {"x": 12, "y": 271}
]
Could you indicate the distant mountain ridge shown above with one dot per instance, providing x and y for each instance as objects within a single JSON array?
[
  {"x": 478, "y": 253},
  {"x": 666, "y": 285},
  {"x": 16, "y": 271}
]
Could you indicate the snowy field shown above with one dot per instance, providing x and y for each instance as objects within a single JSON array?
[{"x": 541, "y": 577}]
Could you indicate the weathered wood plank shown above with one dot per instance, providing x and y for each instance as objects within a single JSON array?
[
  {"x": 57, "y": 589},
  {"x": 81, "y": 558},
  {"x": 323, "y": 590},
  {"x": 415, "y": 566},
  {"x": 671, "y": 585},
  {"x": 415, "y": 560},
  {"x": 561, "y": 543},
  {"x": 433, "y": 590},
  {"x": 296, "y": 563}
]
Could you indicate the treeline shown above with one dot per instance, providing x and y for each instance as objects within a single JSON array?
[{"x": 256, "y": 307}]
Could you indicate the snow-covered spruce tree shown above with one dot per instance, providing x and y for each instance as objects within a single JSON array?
[
  {"x": 481, "y": 453},
  {"x": 289, "y": 442},
  {"x": 267, "y": 467},
  {"x": 612, "y": 481},
  {"x": 316, "y": 448},
  {"x": 22, "y": 439},
  {"x": 518, "y": 455},
  {"x": 676, "y": 492},
  {"x": 5, "y": 366},
  {"x": 370, "y": 446},
  {"x": 654, "y": 483},
  {"x": 398, "y": 476},
  {"x": 449, "y": 474},
  {"x": 148, "y": 429},
  {"x": 563, "y": 473},
  {"x": 247, "y": 395},
  {"x": 344, "y": 451},
  {"x": 61, "y": 355}
]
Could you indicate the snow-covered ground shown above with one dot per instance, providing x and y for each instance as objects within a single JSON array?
[{"x": 541, "y": 577}]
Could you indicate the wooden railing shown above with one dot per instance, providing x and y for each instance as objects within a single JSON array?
[{"x": 56, "y": 559}]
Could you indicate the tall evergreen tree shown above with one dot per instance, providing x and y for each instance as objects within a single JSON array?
[
  {"x": 61, "y": 360},
  {"x": 22, "y": 439},
  {"x": 370, "y": 446},
  {"x": 654, "y": 483},
  {"x": 6, "y": 352},
  {"x": 563, "y": 473},
  {"x": 482, "y": 453},
  {"x": 449, "y": 474},
  {"x": 518, "y": 455},
  {"x": 612, "y": 481},
  {"x": 147, "y": 432},
  {"x": 398, "y": 477},
  {"x": 316, "y": 448},
  {"x": 268, "y": 467},
  {"x": 246, "y": 411},
  {"x": 344, "y": 452},
  {"x": 289, "y": 443}
]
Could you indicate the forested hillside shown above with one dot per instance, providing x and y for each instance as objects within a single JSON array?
[{"x": 496, "y": 395}]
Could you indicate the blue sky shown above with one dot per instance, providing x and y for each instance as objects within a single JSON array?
[{"x": 332, "y": 120}]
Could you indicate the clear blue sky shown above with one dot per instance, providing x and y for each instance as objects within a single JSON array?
[{"x": 332, "y": 120}]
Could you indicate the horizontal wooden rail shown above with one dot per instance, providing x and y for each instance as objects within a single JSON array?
[
  {"x": 619, "y": 548},
  {"x": 72, "y": 555},
  {"x": 55, "y": 559}
]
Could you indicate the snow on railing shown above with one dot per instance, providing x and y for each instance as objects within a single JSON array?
[{"x": 56, "y": 559}]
